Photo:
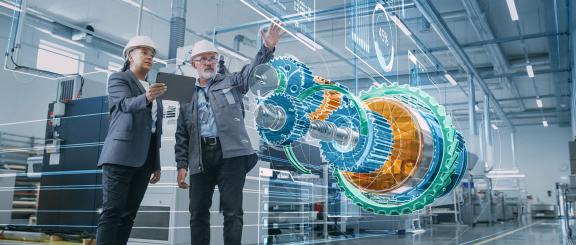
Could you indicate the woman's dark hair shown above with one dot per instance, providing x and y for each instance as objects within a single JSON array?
[{"x": 126, "y": 66}]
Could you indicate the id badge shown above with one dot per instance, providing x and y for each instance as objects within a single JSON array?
[{"x": 204, "y": 117}]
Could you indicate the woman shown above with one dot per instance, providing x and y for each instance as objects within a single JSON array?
[{"x": 130, "y": 157}]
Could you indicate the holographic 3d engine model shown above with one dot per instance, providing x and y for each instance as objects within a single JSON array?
[{"x": 393, "y": 149}]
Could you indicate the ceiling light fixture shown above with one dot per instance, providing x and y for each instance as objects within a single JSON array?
[
  {"x": 450, "y": 79},
  {"x": 400, "y": 24},
  {"x": 512, "y": 9},
  {"x": 412, "y": 57},
  {"x": 539, "y": 102},
  {"x": 530, "y": 71}
]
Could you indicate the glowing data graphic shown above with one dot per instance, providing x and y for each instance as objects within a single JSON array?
[
  {"x": 371, "y": 34},
  {"x": 393, "y": 149}
]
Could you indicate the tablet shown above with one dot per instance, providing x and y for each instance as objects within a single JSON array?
[{"x": 180, "y": 88}]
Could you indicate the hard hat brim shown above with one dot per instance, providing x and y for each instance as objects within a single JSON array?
[
  {"x": 127, "y": 51},
  {"x": 201, "y": 53}
]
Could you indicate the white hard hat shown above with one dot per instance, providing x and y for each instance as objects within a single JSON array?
[
  {"x": 202, "y": 47},
  {"x": 137, "y": 42}
]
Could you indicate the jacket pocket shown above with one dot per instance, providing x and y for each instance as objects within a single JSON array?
[
  {"x": 122, "y": 135},
  {"x": 224, "y": 97}
]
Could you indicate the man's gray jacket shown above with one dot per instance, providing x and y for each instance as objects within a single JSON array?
[
  {"x": 225, "y": 93},
  {"x": 129, "y": 130}
]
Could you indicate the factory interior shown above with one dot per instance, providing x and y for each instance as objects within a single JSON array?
[{"x": 375, "y": 121}]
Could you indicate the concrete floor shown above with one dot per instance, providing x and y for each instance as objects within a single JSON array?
[{"x": 549, "y": 232}]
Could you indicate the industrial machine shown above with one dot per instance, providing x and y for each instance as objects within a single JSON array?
[{"x": 70, "y": 186}]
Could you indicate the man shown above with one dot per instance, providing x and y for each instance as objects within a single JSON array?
[{"x": 212, "y": 144}]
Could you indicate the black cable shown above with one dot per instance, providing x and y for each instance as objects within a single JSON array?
[
  {"x": 52, "y": 74},
  {"x": 79, "y": 94},
  {"x": 20, "y": 67}
]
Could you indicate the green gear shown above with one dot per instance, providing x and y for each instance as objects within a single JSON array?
[
  {"x": 447, "y": 166},
  {"x": 357, "y": 104}
]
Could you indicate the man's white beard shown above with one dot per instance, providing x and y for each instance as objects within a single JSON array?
[{"x": 206, "y": 74}]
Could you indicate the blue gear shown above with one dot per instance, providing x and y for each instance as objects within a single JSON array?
[
  {"x": 370, "y": 152},
  {"x": 297, "y": 121},
  {"x": 298, "y": 75},
  {"x": 299, "y": 78}
]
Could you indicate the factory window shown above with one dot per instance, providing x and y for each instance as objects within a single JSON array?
[{"x": 59, "y": 59}]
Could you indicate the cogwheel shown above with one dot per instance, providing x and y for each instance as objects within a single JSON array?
[
  {"x": 445, "y": 170},
  {"x": 371, "y": 150},
  {"x": 330, "y": 102},
  {"x": 298, "y": 75},
  {"x": 321, "y": 80},
  {"x": 297, "y": 121}
]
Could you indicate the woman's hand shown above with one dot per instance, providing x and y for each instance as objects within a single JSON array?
[
  {"x": 155, "y": 177},
  {"x": 155, "y": 90}
]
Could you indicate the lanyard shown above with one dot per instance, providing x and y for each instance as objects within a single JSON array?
[{"x": 204, "y": 93}]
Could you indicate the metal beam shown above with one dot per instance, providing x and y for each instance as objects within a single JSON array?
[
  {"x": 139, "y": 23},
  {"x": 554, "y": 51},
  {"x": 486, "y": 73},
  {"x": 511, "y": 99},
  {"x": 525, "y": 124},
  {"x": 321, "y": 15},
  {"x": 471, "y": 106},
  {"x": 503, "y": 40},
  {"x": 536, "y": 112},
  {"x": 487, "y": 120},
  {"x": 523, "y": 73},
  {"x": 432, "y": 15}
]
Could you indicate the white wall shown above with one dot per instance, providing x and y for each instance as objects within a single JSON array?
[{"x": 541, "y": 154}]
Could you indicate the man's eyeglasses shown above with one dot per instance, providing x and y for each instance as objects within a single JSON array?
[{"x": 205, "y": 60}]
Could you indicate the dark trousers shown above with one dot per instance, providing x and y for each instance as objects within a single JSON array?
[
  {"x": 123, "y": 189},
  {"x": 229, "y": 175}
]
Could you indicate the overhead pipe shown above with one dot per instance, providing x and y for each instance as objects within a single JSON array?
[
  {"x": 487, "y": 120},
  {"x": 509, "y": 99},
  {"x": 449, "y": 16},
  {"x": 432, "y": 15},
  {"x": 484, "y": 32},
  {"x": 472, "y": 106},
  {"x": 554, "y": 51},
  {"x": 139, "y": 23},
  {"x": 241, "y": 39},
  {"x": 177, "y": 27},
  {"x": 487, "y": 133},
  {"x": 328, "y": 14},
  {"x": 504, "y": 40}
]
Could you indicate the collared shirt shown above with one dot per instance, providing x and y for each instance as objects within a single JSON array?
[
  {"x": 205, "y": 113},
  {"x": 146, "y": 86}
]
